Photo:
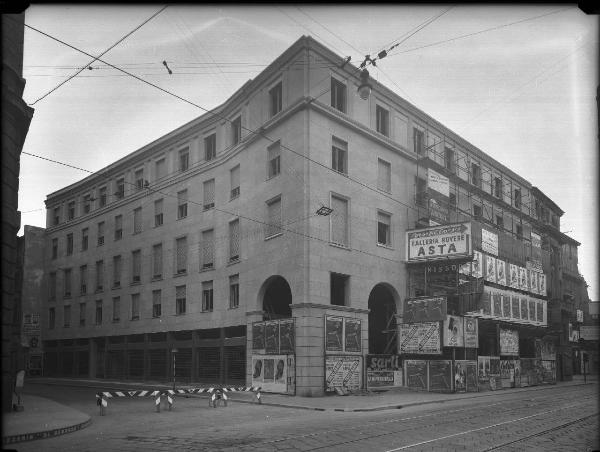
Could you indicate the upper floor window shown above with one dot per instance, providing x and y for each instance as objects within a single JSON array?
[
  {"x": 338, "y": 95},
  {"x": 275, "y": 99},
  {"x": 449, "y": 161},
  {"x": 234, "y": 176},
  {"x": 87, "y": 204},
  {"x": 157, "y": 265},
  {"x": 339, "y": 221},
  {"x": 116, "y": 309},
  {"x": 421, "y": 191},
  {"x": 236, "y": 130},
  {"x": 52, "y": 286},
  {"x": 136, "y": 266},
  {"x": 81, "y": 314},
  {"x": 234, "y": 240},
  {"x": 158, "y": 212},
  {"x": 519, "y": 232},
  {"x": 67, "y": 282},
  {"x": 161, "y": 168},
  {"x": 102, "y": 195},
  {"x": 497, "y": 187},
  {"x": 139, "y": 179},
  {"x": 234, "y": 291},
  {"x": 99, "y": 276},
  {"x": 101, "y": 233},
  {"x": 83, "y": 279},
  {"x": 56, "y": 216},
  {"x": 84, "y": 239},
  {"x": 339, "y": 155},
  {"x": 517, "y": 198},
  {"x": 118, "y": 227},
  {"x": 120, "y": 188},
  {"x": 182, "y": 207},
  {"x": 54, "y": 248},
  {"x": 384, "y": 222},
  {"x": 476, "y": 211},
  {"x": 419, "y": 141},
  {"x": 181, "y": 255},
  {"x": 382, "y": 120},
  {"x": 273, "y": 160},
  {"x": 476, "y": 175},
  {"x": 207, "y": 296},
  {"x": 209, "y": 194},
  {"x": 135, "y": 306},
  {"x": 156, "y": 303},
  {"x": 117, "y": 270},
  {"x": 98, "y": 312},
  {"x": 137, "y": 220},
  {"x": 69, "y": 244},
  {"x": 71, "y": 210},
  {"x": 208, "y": 250},
  {"x": 384, "y": 176},
  {"x": 51, "y": 318},
  {"x": 500, "y": 221},
  {"x": 180, "y": 297},
  {"x": 67, "y": 316},
  {"x": 184, "y": 159},
  {"x": 273, "y": 226},
  {"x": 210, "y": 147}
]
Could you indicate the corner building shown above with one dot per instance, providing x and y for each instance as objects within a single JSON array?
[{"x": 262, "y": 243}]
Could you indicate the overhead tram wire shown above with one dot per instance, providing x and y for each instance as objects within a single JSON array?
[{"x": 103, "y": 53}]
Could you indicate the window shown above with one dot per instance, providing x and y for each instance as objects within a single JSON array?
[
  {"x": 139, "y": 179},
  {"x": 136, "y": 266},
  {"x": 209, "y": 194},
  {"x": 117, "y": 270},
  {"x": 116, "y": 309},
  {"x": 181, "y": 255},
  {"x": 236, "y": 130},
  {"x": 98, "y": 312},
  {"x": 452, "y": 199},
  {"x": 160, "y": 169},
  {"x": 384, "y": 176},
  {"x": 477, "y": 211},
  {"x": 273, "y": 226},
  {"x": 157, "y": 265},
  {"x": 67, "y": 316},
  {"x": 101, "y": 233},
  {"x": 419, "y": 141},
  {"x": 120, "y": 189},
  {"x": 500, "y": 221},
  {"x": 518, "y": 198},
  {"x": 449, "y": 162},
  {"x": 476, "y": 175},
  {"x": 182, "y": 204},
  {"x": 208, "y": 249},
  {"x": 51, "y": 318},
  {"x": 234, "y": 291},
  {"x": 87, "y": 204},
  {"x": 83, "y": 279},
  {"x": 384, "y": 222},
  {"x": 338, "y": 95},
  {"x": 210, "y": 147},
  {"x": 52, "y": 286},
  {"x": 339, "y": 289},
  {"x": 234, "y": 177},
  {"x": 339, "y": 221},
  {"x": 81, "y": 314},
  {"x": 207, "y": 296},
  {"x": 118, "y": 227},
  {"x": 339, "y": 154},
  {"x": 158, "y": 213},
  {"x": 156, "y": 303},
  {"x": 273, "y": 160},
  {"x": 382, "y": 119},
  {"x": 180, "y": 300},
  {"x": 99, "y": 276},
  {"x": 54, "y": 248},
  {"x": 497, "y": 187},
  {"x": 67, "y": 282},
  {"x": 421, "y": 192},
  {"x": 137, "y": 220},
  {"x": 102, "y": 193},
  {"x": 234, "y": 240},
  {"x": 275, "y": 99},
  {"x": 71, "y": 210},
  {"x": 135, "y": 306},
  {"x": 69, "y": 244},
  {"x": 519, "y": 232},
  {"x": 56, "y": 218},
  {"x": 184, "y": 159},
  {"x": 84, "y": 239}
]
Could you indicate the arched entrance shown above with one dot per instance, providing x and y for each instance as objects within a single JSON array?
[
  {"x": 382, "y": 320},
  {"x": 276, "y": 298}
]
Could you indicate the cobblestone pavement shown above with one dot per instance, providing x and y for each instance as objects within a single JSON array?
[{"x": 556, "y": 419}]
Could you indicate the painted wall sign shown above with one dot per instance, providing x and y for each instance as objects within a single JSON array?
[
  {"x": 440, "y": 242},
  {"x": 438, "y": 182},
  {"x": 420, "y": 338},
  {"x": 428, "y": 309},
  {"x": 489, "y": 242}
]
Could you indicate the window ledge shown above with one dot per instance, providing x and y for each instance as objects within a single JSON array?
[
  {"x": 177, "y": 275},
  {"x": 273, "y": 176},
  {"x": 339, "y": 245},
  {"x": 135, "y": 283},
  {"x": 207, "y": 269},
  {"x": 157, "y": 278},
  {"x": 233, "y": 262},
  {"x": 273, "y": 236},
  {"x": 382, "y": 245}
]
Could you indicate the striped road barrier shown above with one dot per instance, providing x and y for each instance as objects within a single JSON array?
[{"x": 102, "y": 397}]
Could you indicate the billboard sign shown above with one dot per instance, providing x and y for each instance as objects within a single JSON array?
[
  {"x": 489, "y": 242},
  {"x": 343, "y": 372},
  {"x": 471, "y": 332},
  {"x": 439, "y": 242},
  {"x": 589, "y": 333},
  {"x": 438, "y": 182},
  {"x": 273, "y": 373},
  {"x": 383, "y": 370},
  {"x": 454, "y": 331},
  {"x": 420, "y": 338},
  {"x": 428, "y": 309},
  {"x": 509, "y": 342}
]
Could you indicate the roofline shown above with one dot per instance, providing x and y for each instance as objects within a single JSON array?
[{"x": 537, "y": 192}]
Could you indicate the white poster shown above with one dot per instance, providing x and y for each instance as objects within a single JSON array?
[
  {"x": 490, "y": 266},
  {"x": 523, "y": 278},
  {"x": 489, "y": 242},
  {"x": 270, "y": 372},
  {"x": 438, "y": 182},
  {"x": 533, "y": 281},
  {"x": 453, "y": 331},
  {"x": 501, "y": 272},
  {"x": 343, "y": 371},
  {"x": 542, "y": 284},
  {"x": 536, "y": 240},
  {"x": 513, "y": 276},
  {"x": 477, "y": 267}
]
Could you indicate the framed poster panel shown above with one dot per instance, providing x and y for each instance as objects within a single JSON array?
[
  {"x": 500, "y": 272},
  {"x": 258, "y": 336},
  {"x": 352, "y": 336},
  {"x": 471, "y": 332},
  {"x": 453, "y": 331},
  {"x": 383, "y": 371},
  {"x": 272, "y": 337},
  {"x": 440, "y": 375},
  {"x": 490, "y": 265},
  {"x": 286, "y": 336},
  {"x": 509, "y": 342},
  {"x": 343, "y": 371},
  {"x": 416, "y": 374},
  {"x": 420, "y": 338},
  {"x": 334, "y": 329}
]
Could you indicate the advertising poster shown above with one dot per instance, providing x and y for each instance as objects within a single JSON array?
[
  {"x": 483, "y": 363},
  {"x": 490, "y": 268},
  {"x": 523, "y": 278},
  {"x": 343, "y": 372},
  {"x": 524, "y": 308},
  {"x": 489, "y": 242},
  {"x": 542, "y": 284},
  {"x": 440, "y": 375},
  {"x": 548, "y": 372},
  {"x": 500, "y": 272},
  {"x": 438, "y": 182},
  {"x": 477, "y": 265},
  {"x": 426, "y": 309},
  {"x": 439, "y": 242},
  {"x": 514, "y": 276},
  {"x": 471, "y": 332},
  {"x": 533, "y": 281},
  {"x": 486, "y": 303},
  {"x": 532, "y": 305},
  {"x": 506, "y": 311},
  {"x": 507, "y": 373},
  {"x": 334, "y": 327},
  {"x": 420, "y": 338},
  {"x": 516, "y": 307},
  {"x": 383, "y": 371},
  {"x": 496, "y": 304},
  {"x": 352, "y": 335},
  {"x": 270, "y": 372},
  {"x": 286, "y": 336},
  {"x": 453, "y": 331},
  {"x": 509, "y": 342},
  {"x": 472, "y": 383},
  {"x": 272, "y": 337},
  {"x": 494, "y": 380},
  {"x": 258, "y": 336},
  {"x": 460, "y": 376},
  {"x": 257, "y": 370},
  {"x": 416, "y": 374}
]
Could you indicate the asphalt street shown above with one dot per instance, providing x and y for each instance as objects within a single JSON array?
[{"x": 554, "y": 419}]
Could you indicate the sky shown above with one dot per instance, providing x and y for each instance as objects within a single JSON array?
[{"x": 517, "y": 81}]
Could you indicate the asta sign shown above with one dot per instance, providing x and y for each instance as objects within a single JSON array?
[{"x": 440, "y": 242}]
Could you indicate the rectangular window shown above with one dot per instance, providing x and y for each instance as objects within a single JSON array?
[
  {"x": 519, "y": 232},
  {"x": 71, "y": 210},
  {"x": 500, "y": 221},
  {"x": 101, "y": 233},
  {"x": 51, "y": 318},
  {"x": 81, "y": 314},
  {"x": 339, "y": 289},
  {"x": 67, "y": 316},
  {"x": 210, "y": 147},
  {"x": 449, "y": 162},
  {"x": 69, "y": 244},
  {"x": 157, "y": 262},
  {"x": 102, "y": 194},
  {"x": 207, "y": 296},
  {"x": 137, "y": 220},
  {"x": 419, "y": 141},
  {"x": 339, "y": 156},
  {"x": 382, "y": 119},
  {"x": 476, "y": 211},
  {"x": 209, "y": 194},
  {"x": 208, "y": 249},
  {"x": 497, "y": 187},
  {"x": 118, "y": 227},
  {"x": 67, "y": 275},
  {"x": 180, "y": 300},
  {"x": 236, "y": 130},
  {"x": 273, "y": 160},
  {"x": 83, "y": 279},
  {"x": 339, "y": 221},
  {"x": 116, "y": 309},
  {"x": 234, "y": 177},
  {"x": 160, "y": 169},
  {"x": 54, "y": 248},
  {"x": 52, "y": 287},
  {"x": 56, "y": 217},
  {"x": 182, "y": 204},
  {"x": 135, "y": 306},
  {"x": 273, "y": 226},
  {"x": 476, "y": 175},
  {"x": 234, "y": 240},
  {"x": 338, "y": 95},
  {"x": 98, "y": 312},
  {"x": 181, "y": 255},
  {"x": 120, "y": 188},
  {"x": 99, "y": 276},
  {"x": 384, "y": 176},
  {"x": 184, "y": 159},
  {"x": 452, "y": 199},
  {"x": 117, "y": 271},
  {"x": 87, "y": 204},
  {"x": 518, "y": 198},
  {"x": 139, "y": 179},
  {"x": 84, "y": 239},
  {"x": 384, "y": 222},
  {"x": 275, "y": 99},
  {"x": 136, "y": 266},
  {"x": 158, "y": 213},
  {"x": 421, "y": 192},
  {"x": 234, "y": 291},
  {"x": 156, "y": 303}
]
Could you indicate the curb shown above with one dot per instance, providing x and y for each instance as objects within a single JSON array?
[{"x": 12, "y": 439}]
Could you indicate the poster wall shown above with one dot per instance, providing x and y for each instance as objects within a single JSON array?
[
  {"x": 501, "y": 272},
  {"x": 490, "y": 266},
  {"x": 489, "y": 242},
  {"x": 509, "y": 342},
  {"x": 465, "y": 376},
  {"x": 420, "y": 338},
  {"x": 383, "y": 371},
  {"x": 453, "y": 331},
  {"x": 274, "y": 373},
  {"x": 416, "y": 374},
  {"x": 513, "y": 276},
  {"x": 342, "y": 334},
  {"x": 273, "y": 337},
  {"x": 343, "y": 371}
]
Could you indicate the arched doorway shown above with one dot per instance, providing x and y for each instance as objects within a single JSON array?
[
  {"x": 382, "y": 320},
  {"x": 276, "y": 298}
]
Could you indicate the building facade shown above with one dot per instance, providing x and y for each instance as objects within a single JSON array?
[{"x": 264, "y": 243}]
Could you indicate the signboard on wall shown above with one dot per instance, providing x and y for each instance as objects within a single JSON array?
[
  {"x": 453, "y": 331},
  {"x": 273, "y": 373},
  {"x": 471, "y": 332},
  {"x": 383, "y": 370},
  {"x": 589, "y": 333},
  {"x": 352, "y": 335},
  {"x": 509, "y": 342},
  {"x": 489, "y": 242},
  {"x": 425, "y": 309},
  {"x": 416, "y": 374},
  {"x": 438, "y": 182},
  {"x": 343, "y": 371},
  {"x": 420, "y": 338},
  {"x": 439, "y": 242}
]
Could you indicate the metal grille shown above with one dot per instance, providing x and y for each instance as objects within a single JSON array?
[
  {"x": 208, "y": 249},
  {"x": 183, "y": 364},
  {"x": 157, "y": 359},
  {"x": 50, "y": 364},
  {"x": 274, "y": 218},
  {"x": 339, "y": 221},
  {"x": 83, "y": 363},
  {"x": 135, "y": 359},
  {"x": 209, "y": 194},
  {"x": 234, "y": 240},
  {"x": 235, "y": 364},
  {"x": 67, "y": 363},
  {"x": 115, "y": 364},
  {"x": 209, "y": 364},
  {"x": 181, "y": 255},
  {"x": 157, "y": 260}
]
